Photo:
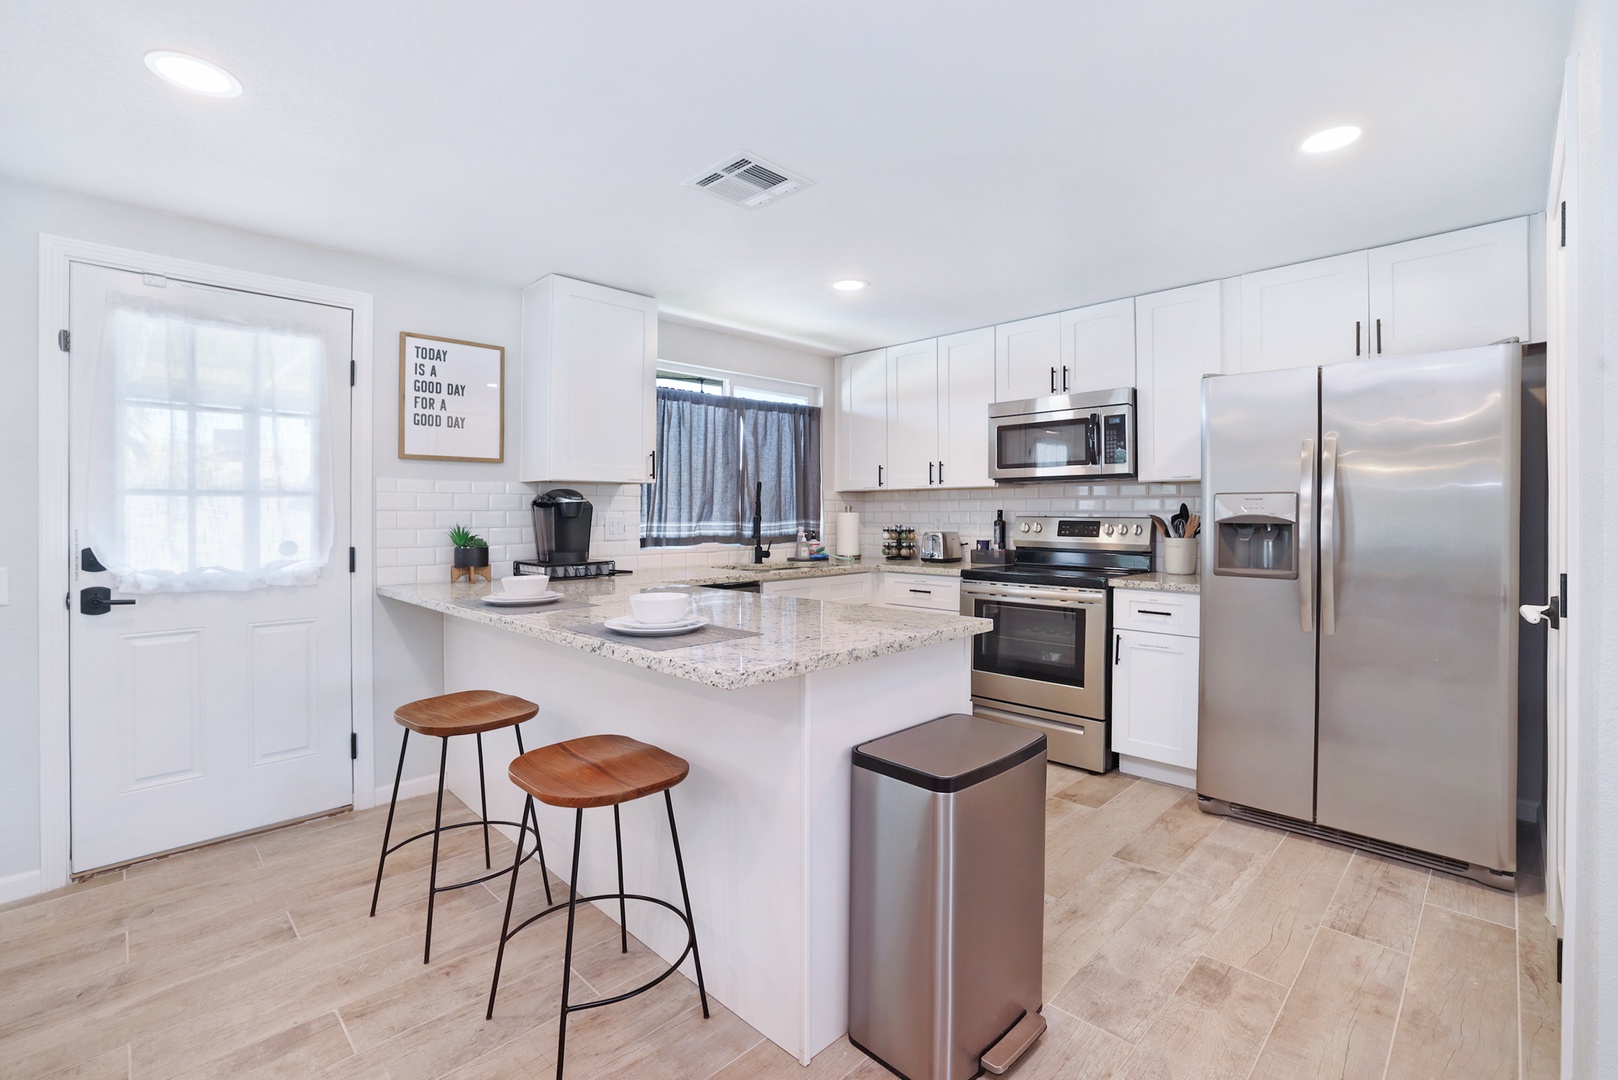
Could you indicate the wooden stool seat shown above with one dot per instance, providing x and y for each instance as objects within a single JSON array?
[
  {"x": 465, "y": 713},
  {"x": 597, "y": 770}
]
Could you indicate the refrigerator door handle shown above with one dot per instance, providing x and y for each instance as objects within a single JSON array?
[
  {"x": 1306, "y": 547},
  {"x": 1328, "y": 535}
]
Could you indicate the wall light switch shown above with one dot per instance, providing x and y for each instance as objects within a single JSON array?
[{"x": 5, "y": 586}]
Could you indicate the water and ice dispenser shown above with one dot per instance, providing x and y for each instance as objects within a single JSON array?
[{"x": 1256, "y": 534}]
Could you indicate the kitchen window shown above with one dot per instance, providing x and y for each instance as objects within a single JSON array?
[{"x": 714, "y": 445}]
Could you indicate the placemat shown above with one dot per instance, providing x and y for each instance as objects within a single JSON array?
[{"x": 711, "y": 634}]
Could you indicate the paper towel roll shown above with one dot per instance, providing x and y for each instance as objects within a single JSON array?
[{"x": 848, "y": 534}]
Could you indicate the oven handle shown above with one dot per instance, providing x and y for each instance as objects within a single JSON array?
[{"x": 1080, "y": 597}]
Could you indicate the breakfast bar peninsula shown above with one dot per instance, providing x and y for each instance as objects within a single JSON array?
[{"x": 766, "y": 707}]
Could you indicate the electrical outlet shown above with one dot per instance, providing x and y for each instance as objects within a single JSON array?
[{"x": 617, "y": 527}]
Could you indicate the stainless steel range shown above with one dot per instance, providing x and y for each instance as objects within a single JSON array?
[{"x": 1045, "y": 664}]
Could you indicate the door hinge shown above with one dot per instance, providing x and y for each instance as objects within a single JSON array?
[
  {"x": 353, "y": 560},
  {"x": 1564, "y": 223},
  {"x": 353, "y": 372},
  {"x": 64, "y": 340},
  {"x": 1561, "y": 595},
  {"x": 353, "y": 746}
]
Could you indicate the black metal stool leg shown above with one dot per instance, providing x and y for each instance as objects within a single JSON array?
[
  {"x": 511, "y": 900},
  {"x": 685, "y": 894},
  {"x": 438, "y": 829},
  {"x": 623, "y": 916},
  {"x": 388, "y": 831},
  {"x": 483, "y": 795},
  {"x": 539, "y": 841},
  {"x": 567, "y": 956}
]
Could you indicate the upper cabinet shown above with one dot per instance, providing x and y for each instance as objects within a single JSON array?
[
  {"x": 966, "y": 385},
  {"x": 589, "y": 386},
  {"x": 1312, "y": 313},
  {"x": 862, "y": 420},
  {"x": 912, "y": 427},
  {"x": 1450, "y": 291},
  {"x": 1027, "y": 356},
  {"x": 1098, "y": 347},
  {"x": 1177, "y": 342}
]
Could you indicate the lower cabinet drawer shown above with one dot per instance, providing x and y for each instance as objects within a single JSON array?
[
  {"x": 932, "y": 591},
  {"x": 1157, "y": 612}
]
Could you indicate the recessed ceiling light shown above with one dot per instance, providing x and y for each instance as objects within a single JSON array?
[
  {"x": 848, "y": 285},
  {"x": 1336, "y": 138},
  {"x": 193, "y": 74}
]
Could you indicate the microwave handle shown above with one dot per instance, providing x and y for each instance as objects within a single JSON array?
[{"x": 1092, "y": 439}]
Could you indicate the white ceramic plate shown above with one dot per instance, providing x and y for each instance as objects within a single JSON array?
[
  {"x": 627, "y": 625},
  {"x": 499, "y": 600}
]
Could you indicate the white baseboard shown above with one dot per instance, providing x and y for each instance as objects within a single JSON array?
[
  {"x": 20, "y": 886},
  {"x": 1152, "y": 770},
  {"x": 409, "y": 788}
]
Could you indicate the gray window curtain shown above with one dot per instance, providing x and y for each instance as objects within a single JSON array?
[{"x": 712, "y": 451}]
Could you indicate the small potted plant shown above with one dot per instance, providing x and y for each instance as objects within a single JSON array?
[{"x": 471, "y": 550}]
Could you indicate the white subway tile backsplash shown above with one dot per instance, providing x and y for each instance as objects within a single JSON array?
[
  {"x": 471, "y": 502},
  {"x": 415, "y": 485},
  {"x": 387, "y": 485},
  {"x": 437, "y": 573},
  {"x": 395, "y": 538},
  {"x": 435, "y": 502},
  {"x": 387, "y": 519},
  {"x": 452, "y": 487},
  {"x": 412, "y": 519},
  {"x": 395, "y": 500},
  {"x": 488, "y": 487},
  {"x": 395, "y": 575}
]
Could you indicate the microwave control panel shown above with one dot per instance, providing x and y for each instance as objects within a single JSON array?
[{"x": 1115, "y": 440}]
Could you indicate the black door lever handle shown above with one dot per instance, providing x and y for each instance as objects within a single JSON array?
[{"x": 97, "y": 600}]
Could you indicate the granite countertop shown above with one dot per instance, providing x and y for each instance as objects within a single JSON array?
[
  {"x": 796, "y": 636},
  {"x": 1159, "y": 582}
]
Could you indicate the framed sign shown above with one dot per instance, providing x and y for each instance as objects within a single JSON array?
[{"x": 452, "y": 399}]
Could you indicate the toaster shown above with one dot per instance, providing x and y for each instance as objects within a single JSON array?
[{"x": 939, "y": 546}]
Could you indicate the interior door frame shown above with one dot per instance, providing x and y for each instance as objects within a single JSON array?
[{"x": 56, "y": 255}]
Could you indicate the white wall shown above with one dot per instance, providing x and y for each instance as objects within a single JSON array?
[{"x": 408, "y": 650}]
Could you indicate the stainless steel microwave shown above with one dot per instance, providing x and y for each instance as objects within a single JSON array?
[{"x": 1063, "y": 436}]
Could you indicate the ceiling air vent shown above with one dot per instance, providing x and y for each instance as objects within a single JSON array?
[{"x": 744, "y": 180}]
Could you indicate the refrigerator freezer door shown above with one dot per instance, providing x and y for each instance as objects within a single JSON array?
[
  {"x": 1256, "y": 713},
  {"x": 1418, "y": 680}
]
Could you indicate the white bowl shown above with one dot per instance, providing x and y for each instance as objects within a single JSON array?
[
  {"x": 659, "y": 608},
  {"x": 525, "y": 584}
]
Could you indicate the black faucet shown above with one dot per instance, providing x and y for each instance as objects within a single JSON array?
[{"x": 760, "y": 552}]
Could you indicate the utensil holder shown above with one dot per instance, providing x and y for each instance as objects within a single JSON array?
[{"x": 1180, "y": 555}]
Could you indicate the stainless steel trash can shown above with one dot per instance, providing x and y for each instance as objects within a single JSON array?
[{"x": 947, "y": 884}]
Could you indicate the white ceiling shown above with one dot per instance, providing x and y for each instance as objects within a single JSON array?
[{"x": 975, "y": 161}]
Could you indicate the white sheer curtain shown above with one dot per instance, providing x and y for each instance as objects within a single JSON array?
[{"x": 208, "y": 467}]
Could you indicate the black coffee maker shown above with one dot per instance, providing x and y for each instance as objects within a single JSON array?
[{"x": 562, "y": 527}]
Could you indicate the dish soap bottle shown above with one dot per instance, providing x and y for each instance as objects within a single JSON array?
[{"x": 800, "y": 549}]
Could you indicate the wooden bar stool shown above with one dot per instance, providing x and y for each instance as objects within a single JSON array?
[
  {"x": 597, "y": 770},
  {"x": 469, "y": 712}
]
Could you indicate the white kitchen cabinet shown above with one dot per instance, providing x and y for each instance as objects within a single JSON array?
[
  {"x": 1098, "y": 347},
  {"x": 862, "y": 421},
  {"x": 1154, "y": 684},
  {"x": 843, "y": 588},
  {"x": 912, "y": 415},
  {"x": 1027, "y": 356},
  {"x": 1450, "y": 291},
  {"x": 966, "y": 385},
  {"x": 1177, "y": 342},
  {"x": 1310, "y": 313},
  {"x": 932, "y": 592},
  {"x": 589, "y": 386}
]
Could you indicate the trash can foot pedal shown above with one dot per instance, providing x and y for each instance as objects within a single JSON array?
[{"x": 1013, "y": 1044}]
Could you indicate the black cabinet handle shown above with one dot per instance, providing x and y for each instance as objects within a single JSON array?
[
  {"x": 924, "y": 592},
  {"x": 929, "y": 472},
  {"x": 654, "y": 464},
  {"x": 1356, "y": 337},
  {"x": 1064, "y": 378},
  {"x": 1053, "y": 380},
  {"x": 1165, "y": 614},
  {"x": 940, "y": 472},
  {"x": 1117, "y": 649},
  {"x": 879, "y": 476},
  {"x": 1379, "y": 336}
]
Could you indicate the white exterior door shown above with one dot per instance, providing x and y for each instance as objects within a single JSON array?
[
  {"x": 1308, "y": 314},
  {"x": 210, "y": 470}
]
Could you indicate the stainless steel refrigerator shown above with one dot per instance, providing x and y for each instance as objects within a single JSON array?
[{"x": 1359, "y": 604}]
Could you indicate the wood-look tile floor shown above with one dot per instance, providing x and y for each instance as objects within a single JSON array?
[{"x": 1176, "y": 945}]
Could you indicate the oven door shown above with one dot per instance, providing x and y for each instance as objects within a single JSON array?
[
  {"x": 1064, "y": 443},
  {"x": 1048, "y": 648}
]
